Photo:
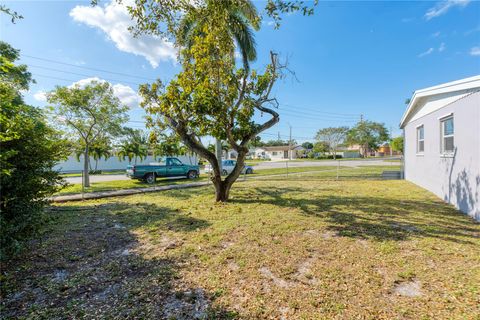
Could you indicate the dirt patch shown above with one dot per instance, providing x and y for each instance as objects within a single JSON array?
[
  {"x": 304, "y": 273},
  {"x": 279, "y": 282},
  {"x": 186, "y": 305},
  {"x": 408, "y": 289}
]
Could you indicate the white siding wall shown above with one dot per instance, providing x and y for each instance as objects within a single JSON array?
[
  {"x": 454, "y": 179},
  {"x": 113, "y": 163}
]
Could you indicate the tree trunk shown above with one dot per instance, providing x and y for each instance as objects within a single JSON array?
[
  {"x": 86, "y": 162},
  {"x": 222, "y": 190}
]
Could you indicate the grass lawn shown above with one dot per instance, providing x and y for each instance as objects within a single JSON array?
[
  {"x": 67, "y": 175},
  {"x": 292, "y": 249},
  {"x": 123, "y": 184},
  {"x": 132, "y": 184}
]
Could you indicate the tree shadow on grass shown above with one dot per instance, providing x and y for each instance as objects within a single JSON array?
[
  {"x": 379, "y": 218},
  {"x": 87, "y": 264}
]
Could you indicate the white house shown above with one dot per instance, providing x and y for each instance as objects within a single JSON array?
[
  {"x": 442, "y": 142},
  {"x": 278, "y": 152}
]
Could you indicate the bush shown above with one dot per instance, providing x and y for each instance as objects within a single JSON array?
[
  {"x": 329, "y": 156},
  {"x": 29, "y": 149}
]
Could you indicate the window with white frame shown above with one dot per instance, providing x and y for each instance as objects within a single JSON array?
[
  {"x": 446, "y": 132},
  {"x": 420, "y": 139}
]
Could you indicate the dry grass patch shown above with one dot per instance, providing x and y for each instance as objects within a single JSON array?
[{"x": 280, "y": 249}]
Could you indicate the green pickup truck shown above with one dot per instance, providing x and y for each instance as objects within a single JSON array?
[{"x": 167, "y": 167}]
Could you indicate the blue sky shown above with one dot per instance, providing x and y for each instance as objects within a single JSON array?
[{"x": 350, "y": 58}]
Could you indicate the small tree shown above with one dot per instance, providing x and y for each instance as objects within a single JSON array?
[
  {"x": 320, "y": 147},
  {"x": 90, "y": 112},
  {"x": 29, "y": 148},
  {"x": 307, "y": 145},
  {"x": 333, "y": 137},
  {"x": 397, "y": 144},
  {"x": 368, "y": 134}
]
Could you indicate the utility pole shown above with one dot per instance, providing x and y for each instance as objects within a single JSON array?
[
  {"x": 290, "y": 144},
  {"x": 390, "y": 143},
  {"x": 361, "y": 117}
]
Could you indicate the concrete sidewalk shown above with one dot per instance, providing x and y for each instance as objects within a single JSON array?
[{"x": 124, "y": 192}]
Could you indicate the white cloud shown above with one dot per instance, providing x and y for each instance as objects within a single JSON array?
[
  {"x": 426, "y": 53},
  {"x": 114, "y": 20},
  {"x": 126, "y": 94},
  {"x": 436, "y": 34},
  {"x": 442, "y": 47},
  {"x": 442, "y": 7},
  {"x": 475, "y": 51},
  {"x": 40, "y": 96}
]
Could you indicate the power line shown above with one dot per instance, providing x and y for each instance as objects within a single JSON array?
[
  {"x": 323, "y": 116},
  {"x": 87, "y": 68},
  {"x": 314, "y": 118},
  {"x": 56, "y": 78},
  {"x": 82, "y": 74},
  {"x": 314, "y": 109}
]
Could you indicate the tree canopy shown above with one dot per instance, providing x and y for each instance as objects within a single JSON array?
[
  {"x": 397, "y": 144},
  {"x": 89, "y": 113},
  {"x": 333, "y": 137},
  {"x": 368, "y": 134}
]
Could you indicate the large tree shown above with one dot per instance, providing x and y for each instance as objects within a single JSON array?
[
  {"x": 211, "y": 97},
  {"x": 333, "y": 137},
  {"x": 368, "y": 135},
  {"x": 29, "y": 148},
  {"x": 90, "y": 112}
]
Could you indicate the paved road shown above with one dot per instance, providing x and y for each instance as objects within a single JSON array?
[
  {"x": 324, "y": 163},
  {"x": 262, "y": 165}
]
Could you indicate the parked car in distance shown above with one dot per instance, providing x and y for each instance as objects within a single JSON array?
[
  {"x": 228, "y": 166},
  {"x": 167, "y": 167}
]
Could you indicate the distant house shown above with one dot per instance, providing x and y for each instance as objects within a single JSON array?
[
  {"x": 278, "y": 152},
  {"x": 442, "y": 142}
]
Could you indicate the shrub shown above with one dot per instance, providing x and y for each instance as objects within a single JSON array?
[
  {"x": 29, "y": 149},
  {"x": 329, "y": 156}
]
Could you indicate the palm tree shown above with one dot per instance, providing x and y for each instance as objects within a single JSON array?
[
  {"x": 139, "y": 145},
  {"x": 124, "y": 151},
  {"x": 134, "y": 146},
  {"x": 100, "y": 149},
  {"x": 242, "y": 16}
]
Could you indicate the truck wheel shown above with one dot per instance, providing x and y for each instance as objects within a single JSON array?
[
  {"x": 150, "y": 178},
  {"x": 192, "y": 174},
  {"x": 249, "y": 171},
  {"x": 224, "y": 172}
]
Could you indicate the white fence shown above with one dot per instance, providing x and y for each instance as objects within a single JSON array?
[{"x": 113, "y": 163}]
